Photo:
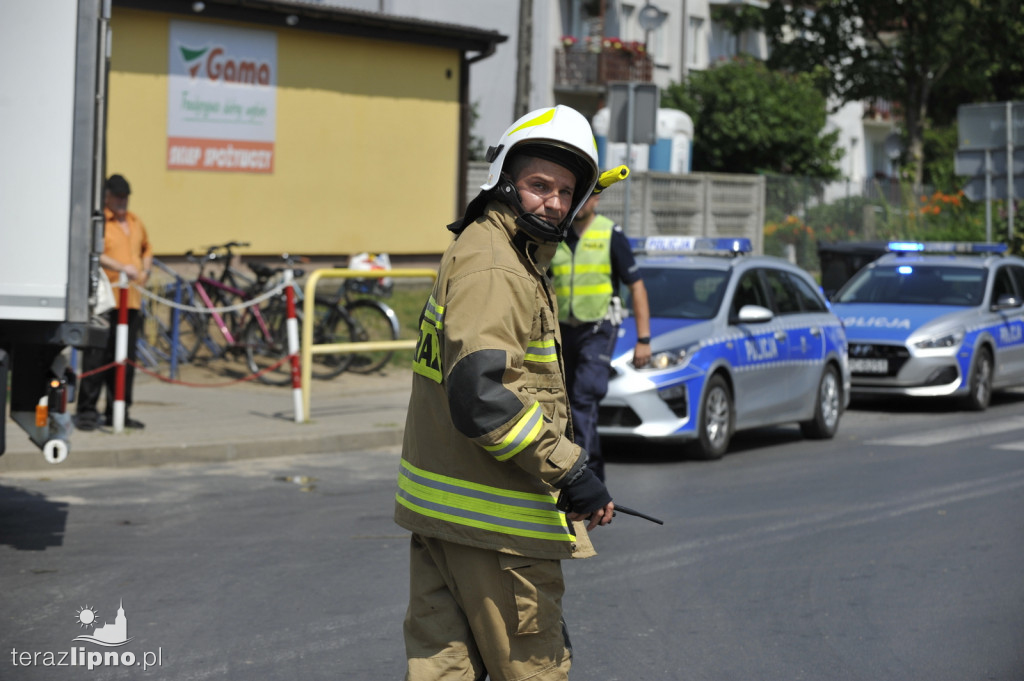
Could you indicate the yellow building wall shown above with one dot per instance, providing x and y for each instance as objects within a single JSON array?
[{"x": 365, "y": 153}]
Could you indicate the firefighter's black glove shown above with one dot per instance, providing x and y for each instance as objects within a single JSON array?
[{"x": 582, "y": 492}]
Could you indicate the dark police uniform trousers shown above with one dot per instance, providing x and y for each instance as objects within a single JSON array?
[{"x": 587, "y": 348}]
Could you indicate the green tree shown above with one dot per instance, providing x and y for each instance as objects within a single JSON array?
[
  {"x": 940, "y": 145},
  {"x": 749, "y": 119},
  {"x": 989, "y": 68},
  {"x": 923, "y": 55}
]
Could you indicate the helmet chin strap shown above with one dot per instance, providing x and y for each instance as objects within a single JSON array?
[{"x": 531, "y": 223}]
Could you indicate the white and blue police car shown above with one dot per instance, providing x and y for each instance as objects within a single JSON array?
[
  {"x": 737, "y": 341},
  {"x": 936, "y": 319}
]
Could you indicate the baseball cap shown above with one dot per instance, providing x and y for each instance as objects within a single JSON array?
[{"x": 118, "y": 186}]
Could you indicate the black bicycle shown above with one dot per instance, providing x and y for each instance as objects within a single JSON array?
[
  {"x": 371, "y": 318},
  {"x": 352, "y": 314}
]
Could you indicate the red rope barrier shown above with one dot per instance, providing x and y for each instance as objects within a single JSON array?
[
  {"x": 98, "y": 370},
  {"x": 243, "y": 379}
]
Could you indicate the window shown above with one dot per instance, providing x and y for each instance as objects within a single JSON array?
[
  {"x": 628, "y": 25},
  {"x": 809, "y": 299},
  {"x": 1018, "y": 275},
  {"x": 681, "y": 293},
  {"x": 748, "y": 292},
  {"x": 724, "y": 44},
  {"x": 1003, "y": 285},
  {"x": 917, "y": 285},
  {"x": 785, "y": 296},
  {"x": 695, "y": 43}
]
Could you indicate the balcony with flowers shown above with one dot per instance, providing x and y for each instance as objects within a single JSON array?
[{"x": 591, "y": 63}]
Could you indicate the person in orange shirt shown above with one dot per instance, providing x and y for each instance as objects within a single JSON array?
[{"x": 126, "y": 249}]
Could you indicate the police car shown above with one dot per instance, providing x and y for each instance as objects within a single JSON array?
[
  {"x": 936, "y": 319},
  {"x": 737, "y": 341}
]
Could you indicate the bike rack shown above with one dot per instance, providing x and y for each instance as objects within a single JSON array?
[{"x": 308, "y": 349}]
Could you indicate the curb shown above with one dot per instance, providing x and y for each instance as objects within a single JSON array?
[{"x": 20, "y": 462}]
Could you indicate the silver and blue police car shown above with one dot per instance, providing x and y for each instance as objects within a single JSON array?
[
  {"x": 738, "y": 341},
  {"x": 936, "y": 319}
]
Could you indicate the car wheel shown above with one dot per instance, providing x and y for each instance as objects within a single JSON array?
[
  {"x": 828, "y": 407},
  {"x": 980, "y": 381},
  {"x": 716, "y": 419}
]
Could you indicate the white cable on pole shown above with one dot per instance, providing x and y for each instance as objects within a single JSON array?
[{"x": 210, "y": 310}]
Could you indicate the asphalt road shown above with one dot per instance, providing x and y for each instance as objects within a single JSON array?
[{"x": 893, "y": 552}]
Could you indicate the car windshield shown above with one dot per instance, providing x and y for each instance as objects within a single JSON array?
[
  {"x": 681, "y": 293},
  {"x": 916, "y": 284}
]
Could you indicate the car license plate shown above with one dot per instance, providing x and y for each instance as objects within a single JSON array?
[{"x": 869, "y": 366}]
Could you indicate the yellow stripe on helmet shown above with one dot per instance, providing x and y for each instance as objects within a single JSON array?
[{"x": 539, "y": 120}]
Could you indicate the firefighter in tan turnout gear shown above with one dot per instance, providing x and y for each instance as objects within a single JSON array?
[{"x": 488, "y": 444}]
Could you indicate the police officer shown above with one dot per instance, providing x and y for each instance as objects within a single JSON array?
[
  {"x": 487, "y": 451},
  {"x": 586, "y": 272}
]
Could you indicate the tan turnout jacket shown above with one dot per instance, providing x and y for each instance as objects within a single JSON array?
[{"x": 487, "y": 432}]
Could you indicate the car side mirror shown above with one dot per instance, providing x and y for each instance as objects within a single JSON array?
[
  {"x": 754, "y": 314},
  {"x": 1007, "y": 301}
]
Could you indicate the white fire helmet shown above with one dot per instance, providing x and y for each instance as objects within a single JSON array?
[{"x": 560, "y": 134}]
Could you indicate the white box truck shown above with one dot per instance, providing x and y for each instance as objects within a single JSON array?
[{"x": 52, "y": 108}]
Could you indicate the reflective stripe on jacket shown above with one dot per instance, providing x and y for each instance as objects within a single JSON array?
[
  {"x": 487, "y": 432},
  {"x": 583, "y": 278}
]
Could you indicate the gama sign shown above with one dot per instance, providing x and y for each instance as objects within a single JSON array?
[{"x": 222, "y": 98}]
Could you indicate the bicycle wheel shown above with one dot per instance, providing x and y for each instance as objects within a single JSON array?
[
  {"x": 202, "y": 343},
  {"x": 145, "y": 354},
  {"x": 206, "y": 340},
  {"x": 234, "y": 320},
  {"x": 158, "y": 328},
  {"x": 265, "y": 348},
  {"x": 145, "y": 350},
  {"x": 191, "y": 328},
  {"x": 331, "y": 324},
  {"x": 374, "y": 321}
]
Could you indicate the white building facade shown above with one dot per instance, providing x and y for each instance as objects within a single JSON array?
[{"x": 571, "y": 60}]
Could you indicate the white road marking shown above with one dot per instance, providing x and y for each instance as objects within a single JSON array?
[
  {"x": 944, "y": 435},
  {"x": 673, "y": 556}
]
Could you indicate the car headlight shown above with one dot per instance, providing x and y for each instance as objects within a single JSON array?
[
  {"x": 669, "y": 359},
  {"x": 949, "y": 340}
]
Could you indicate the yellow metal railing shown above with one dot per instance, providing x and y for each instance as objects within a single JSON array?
[{"x": 308, "y": 349}]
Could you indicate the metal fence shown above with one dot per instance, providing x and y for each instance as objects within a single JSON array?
[
  {"x": 785, "y": 216},
  {"x": 699, "y": 204},
  {"x": 801, "y": 212}
]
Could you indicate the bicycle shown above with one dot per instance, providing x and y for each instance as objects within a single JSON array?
[
  {"x": 231, "y": 289},
  {"x": 353, "y": 313},
  {"x": 343, "y": 316},
  {"x": 373, "y": 320},
  {"x": 265, "y": 351},
  {"x": 155, "y": 342},
  {"x": 258, "y": 333},
  {"x": 234, "y": 325}
]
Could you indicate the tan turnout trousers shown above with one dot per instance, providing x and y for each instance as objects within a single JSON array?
[{"x": 477, "y": 612}]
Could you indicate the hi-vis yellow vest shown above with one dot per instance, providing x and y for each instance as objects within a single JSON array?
[{"x": 583, "y": 279}]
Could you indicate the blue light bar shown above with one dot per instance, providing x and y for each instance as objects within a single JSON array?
[
  {"x": 905, "y": 246},
  {"x": 690, "y": 244},
  {"x": 946, "y": 247}
]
